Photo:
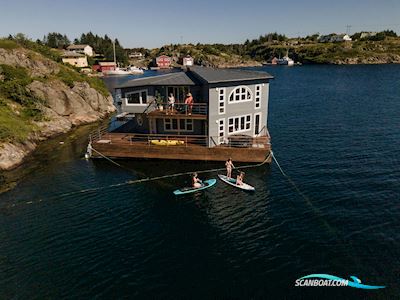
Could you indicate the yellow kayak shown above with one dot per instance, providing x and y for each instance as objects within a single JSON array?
[{"x": 167, "y": 142}]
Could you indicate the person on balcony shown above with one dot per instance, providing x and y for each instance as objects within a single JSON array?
[
  {"x": 189, "y": 103},
  {"x": 229, "y": 165},
  {"x": 171, "y": 104}
]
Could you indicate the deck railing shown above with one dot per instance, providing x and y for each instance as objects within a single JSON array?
[
  {"x": 151, "y": 140},
  {"x": 195, "y": 108}
]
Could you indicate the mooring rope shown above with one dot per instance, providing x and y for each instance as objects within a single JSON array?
[
  {"x": 129, "y": 182},
  {"x": 307, "y": 200}
]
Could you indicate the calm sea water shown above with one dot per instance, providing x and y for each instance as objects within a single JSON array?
[{"x": 336, "y": 133}]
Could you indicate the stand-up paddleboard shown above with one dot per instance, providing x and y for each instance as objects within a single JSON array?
[
  {"x": 232, "y": 182},
  {"x": 205, "y": 185}
]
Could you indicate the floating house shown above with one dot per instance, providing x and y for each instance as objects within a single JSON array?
[{"x": 228, "y": 117}]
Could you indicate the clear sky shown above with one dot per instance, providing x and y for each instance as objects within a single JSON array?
[{"x": 155, "y": 23}]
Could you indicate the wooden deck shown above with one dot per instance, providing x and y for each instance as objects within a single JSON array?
[{"x": 122, "y": 145}]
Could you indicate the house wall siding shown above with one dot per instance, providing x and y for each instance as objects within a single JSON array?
[{"x": 237, "y": 109}]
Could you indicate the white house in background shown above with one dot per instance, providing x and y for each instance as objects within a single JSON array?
[
  {"x": 74, "y": 58},
  {"x": 366, "y": 34},
  {"x": 334, "y": 38},
  {"x": 83, "y": 49},
  {"x": 136, "y": 55},
  {"x": 341, "y": 38}
]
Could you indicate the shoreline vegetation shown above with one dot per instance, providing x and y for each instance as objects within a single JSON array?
[
  {"x": 41, "y": 98},
  {"x": 379, "y": 48}
]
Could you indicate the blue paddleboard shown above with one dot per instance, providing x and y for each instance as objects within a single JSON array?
[{"x": 186, "y": 190}]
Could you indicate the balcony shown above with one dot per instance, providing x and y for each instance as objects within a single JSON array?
[{"x": 196, "y": 111}]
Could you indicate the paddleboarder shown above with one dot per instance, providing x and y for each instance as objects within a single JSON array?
[
  {"x": 229, "y": 165},
  {"x": 239, "y": 178},
  {"x": 197, "y": 183}
]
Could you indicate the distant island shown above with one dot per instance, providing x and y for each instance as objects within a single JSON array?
[{"x": 360, "y": 48}]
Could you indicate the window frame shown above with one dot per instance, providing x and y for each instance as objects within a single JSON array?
[
  {"x": 247, "y": 125},
  {"x": 169, "y": 121},
  {"x": 233, "y": 94},
  {"x": 221, "y": 101},
  {"x": 140, "y": 98},
  {"x": 258, "y": 96}
]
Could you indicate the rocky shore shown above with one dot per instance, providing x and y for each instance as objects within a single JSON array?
[{"x": 65, "y": 106}]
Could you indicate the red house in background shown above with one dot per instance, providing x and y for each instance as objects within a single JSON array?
[
  {"x": 163, "y": 62},
  {"x": 104, "y": 66}
]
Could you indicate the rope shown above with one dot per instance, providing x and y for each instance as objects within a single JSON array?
[
  {"x": 157, "y": 177},
  {"x": 129, "y": 182},
  {"x": 305, "y": 198}
]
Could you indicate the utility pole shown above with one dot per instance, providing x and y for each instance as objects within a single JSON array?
[{"x": 348, "y": 29}]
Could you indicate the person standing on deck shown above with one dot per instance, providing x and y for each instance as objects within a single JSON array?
[
  {"x": 171, "y": 103},
  {"x": 229, "y": 165},
  {"x": 189, "y": 103}
]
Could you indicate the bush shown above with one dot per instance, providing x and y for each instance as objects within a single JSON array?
[
  {"x": 8, "y": 44},
  {"x": 14, "y": 87},
  {"x": 13, "y": 127},
  {"x": 69, "y": 76}
]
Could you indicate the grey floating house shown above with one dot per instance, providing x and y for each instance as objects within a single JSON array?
[{"x": 228, "y": 116}]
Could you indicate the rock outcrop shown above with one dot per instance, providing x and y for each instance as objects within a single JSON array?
[{"x": 65, "y": 107}]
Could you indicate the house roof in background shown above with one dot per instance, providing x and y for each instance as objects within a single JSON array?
[
  {"x": 77, "y": 46},
  {"x": 67, "y": 54}
]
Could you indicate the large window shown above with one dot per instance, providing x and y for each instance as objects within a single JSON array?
[
  {"x": 136, "y": 98},
  {"x": 178, "y": 125},
  {"x": 240, "y": 94},
  {"x": 239, "y": 124},
  {"x": 257, "y": 98}
]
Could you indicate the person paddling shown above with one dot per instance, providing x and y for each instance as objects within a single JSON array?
[
  {"x": 197, "y": 183},
  {"x": 229, "y": 165}
]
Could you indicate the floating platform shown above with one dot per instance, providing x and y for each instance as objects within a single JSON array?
[{"x": 127, "y": 145}]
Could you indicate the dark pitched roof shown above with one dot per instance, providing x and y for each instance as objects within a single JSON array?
[
  {"x": 77, "y": 46},
  {"x": 210, "y": 75},
  {"x": 178, "y": 78},
  {"x": 198, "y": 75},
  {"x": 72, "y": 54}
]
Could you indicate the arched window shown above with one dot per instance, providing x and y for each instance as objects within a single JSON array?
[{"x": 240, "y": 93}]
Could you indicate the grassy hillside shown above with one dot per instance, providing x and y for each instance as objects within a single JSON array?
[
  {"x": 329, "y": 53},
  {"x": 386, "y": 49},
  {"x": 19, "y": 108}
]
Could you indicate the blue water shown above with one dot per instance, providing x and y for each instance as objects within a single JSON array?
[{"x": 336, "y": 133}]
